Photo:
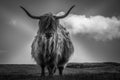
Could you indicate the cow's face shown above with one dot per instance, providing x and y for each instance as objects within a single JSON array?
[{"x": 48, "y": 25}]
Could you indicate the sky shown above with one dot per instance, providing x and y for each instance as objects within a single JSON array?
[{"x": 94, "y": 26}]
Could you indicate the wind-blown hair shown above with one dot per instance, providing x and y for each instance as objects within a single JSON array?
[{"x": 59, "y": 44}]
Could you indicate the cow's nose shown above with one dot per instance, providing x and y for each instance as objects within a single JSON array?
[{"x": 48, "y": 35}]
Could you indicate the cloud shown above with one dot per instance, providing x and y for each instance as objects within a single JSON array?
[{"x": 97, "y": 27}]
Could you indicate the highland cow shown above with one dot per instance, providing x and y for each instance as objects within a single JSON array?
[{"x": 52, "y": 46}]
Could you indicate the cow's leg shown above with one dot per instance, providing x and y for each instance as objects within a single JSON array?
[
  {"x": 42, "y": 70},
  {"x": 60, "y": 68},
  {"x": 51, "y": 69}
]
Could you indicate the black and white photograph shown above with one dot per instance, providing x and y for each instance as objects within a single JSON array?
[{"x": 59, "y": 39}]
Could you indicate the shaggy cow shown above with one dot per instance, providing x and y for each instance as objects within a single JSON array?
[{"x": 52, "y": 46}]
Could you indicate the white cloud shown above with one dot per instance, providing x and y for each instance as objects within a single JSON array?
[{"x": 98, "y": 27}]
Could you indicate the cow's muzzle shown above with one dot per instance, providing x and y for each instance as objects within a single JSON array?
[{"x": 48, "y": 35}]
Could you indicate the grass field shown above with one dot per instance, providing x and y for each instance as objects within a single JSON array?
[{"x": 74, "y": 71}]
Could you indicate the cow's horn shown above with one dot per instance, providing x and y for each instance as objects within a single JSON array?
[
  {"x": 34, "y": 17},
  {"x": 66, "y": 14}
]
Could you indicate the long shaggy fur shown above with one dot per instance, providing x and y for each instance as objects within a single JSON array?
[{"x": 59, "y": 45}]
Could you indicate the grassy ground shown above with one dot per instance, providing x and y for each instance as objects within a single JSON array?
[{"x": 85, "y": 71}]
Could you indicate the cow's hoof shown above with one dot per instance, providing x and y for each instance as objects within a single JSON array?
[
  {"x": 42, "y": 75},
  {"x": 50, "y": 75}
]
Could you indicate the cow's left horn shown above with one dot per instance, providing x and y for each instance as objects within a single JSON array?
[
  {"x": 66, "y": 14},
  {"x": 30, "y": 15}
]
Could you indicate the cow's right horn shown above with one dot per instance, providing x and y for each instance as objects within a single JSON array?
[{"x": 66, "y": 14}]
